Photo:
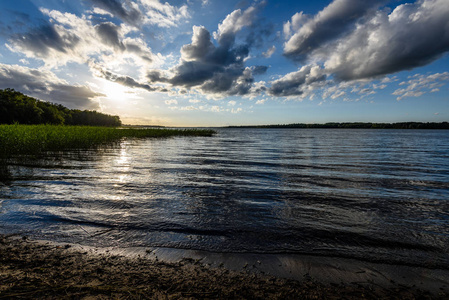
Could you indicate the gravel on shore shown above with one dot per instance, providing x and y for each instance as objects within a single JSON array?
[{"x": 43, "y": 270}]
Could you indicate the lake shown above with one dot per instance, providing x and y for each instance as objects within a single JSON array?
[{"x": 374, "y": 195}]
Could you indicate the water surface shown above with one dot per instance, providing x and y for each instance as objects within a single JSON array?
[{"x": 378, "y": 195}]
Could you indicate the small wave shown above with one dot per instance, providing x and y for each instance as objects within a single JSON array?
[{"x": 430, "y": 184}]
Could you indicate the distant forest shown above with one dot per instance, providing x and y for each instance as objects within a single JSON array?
[
  {"x": 16, "y": 107},
  {"x": 401, "y": 125}
]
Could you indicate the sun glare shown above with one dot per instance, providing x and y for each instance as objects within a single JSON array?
[{"x": 115, "y": 91}]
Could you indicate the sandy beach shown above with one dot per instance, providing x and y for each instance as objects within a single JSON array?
[{"x": 47, "y": 270}]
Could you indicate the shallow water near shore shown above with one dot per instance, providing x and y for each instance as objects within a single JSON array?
[{"x": 375, "y": 195}]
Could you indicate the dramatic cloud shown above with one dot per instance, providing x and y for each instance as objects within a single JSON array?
[
  {"x": 215, "y": 69},
  {"x": 356, "y": 42},
  {"x": 202, "y": 52},
  {"x": 418, "y": 85},
  {"x": 69, "y": 38},
  {"x": 45, "y": 85},
  {"x": 330, "y": 23},
  {"x": 297, "y": 83},
  {"x": 342, "y": 49},
  {"x": 412, "y": 35}
]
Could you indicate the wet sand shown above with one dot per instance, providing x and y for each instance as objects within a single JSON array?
[{"x": 47, "y": 270}]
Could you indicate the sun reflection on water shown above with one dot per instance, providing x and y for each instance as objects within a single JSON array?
[{"x": 122, "y": 166}]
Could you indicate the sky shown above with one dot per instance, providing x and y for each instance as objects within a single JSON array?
[{"x": 234, "y": 62}]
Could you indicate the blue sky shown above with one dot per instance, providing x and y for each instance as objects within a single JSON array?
[{"x": 217, "y": 63}]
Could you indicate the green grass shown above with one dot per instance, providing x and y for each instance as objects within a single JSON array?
[{"x": 32, "y": 139}]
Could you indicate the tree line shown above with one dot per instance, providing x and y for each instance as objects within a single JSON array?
[
  {"x": 16, "y": 107},
  {"x": 358, "y": 125}
]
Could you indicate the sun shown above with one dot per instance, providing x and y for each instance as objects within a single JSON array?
[{"x": 115, "y": 91}]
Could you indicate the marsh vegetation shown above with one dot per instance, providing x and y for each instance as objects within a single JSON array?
[{"x": 31, "y": 139}]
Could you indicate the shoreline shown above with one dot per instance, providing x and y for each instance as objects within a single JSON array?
[{"x": 50, "y": 270}]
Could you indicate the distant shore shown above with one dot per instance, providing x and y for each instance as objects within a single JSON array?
[
  {"x": 356, "y": 125},
  {"x": 46, "y": 270}
]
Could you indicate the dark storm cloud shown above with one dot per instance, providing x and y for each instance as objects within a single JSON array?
[
  {"x": 125, "y": 11},
  {"x": 40, "y": 40},
  {"x": 108, "y": 33},
  {"x": 332, "y": 22},
  {"x": 46, "y": 86}
]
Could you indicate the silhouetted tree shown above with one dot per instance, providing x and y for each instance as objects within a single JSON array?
[{"x": 16, "y": 107}]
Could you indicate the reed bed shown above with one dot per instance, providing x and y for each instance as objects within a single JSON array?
[{"x": 31, "y": 139}]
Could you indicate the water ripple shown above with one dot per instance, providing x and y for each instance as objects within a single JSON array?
[{"x": 378, "y": 195}]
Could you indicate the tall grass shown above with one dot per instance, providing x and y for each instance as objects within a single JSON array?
[{"x": 31, "y": 139}]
